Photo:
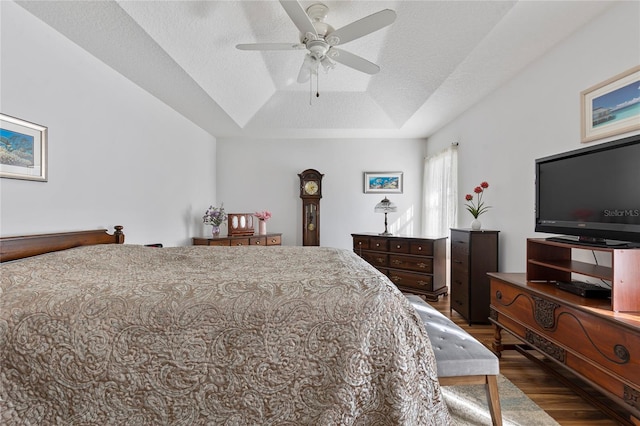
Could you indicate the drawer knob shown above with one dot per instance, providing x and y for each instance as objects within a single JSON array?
[
  {"x": 422, "y": 265},
  {"x": 395, "y": 278},
  {"x": 380, "y": 260},
  {"x": 257, "y": 243},
  {"x": 419, "y": 248},
  {"x": 397, "y": 262},
  {"x": 377, "y": 244},
  {"x": 398, "y": 246}
]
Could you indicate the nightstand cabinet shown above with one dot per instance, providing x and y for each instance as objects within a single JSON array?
[
  {"x": 415, "y": 264},
  {"x": 473, "y": 254}
]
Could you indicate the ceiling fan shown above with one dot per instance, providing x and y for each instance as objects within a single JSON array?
[{"x": 321, "y": 39}]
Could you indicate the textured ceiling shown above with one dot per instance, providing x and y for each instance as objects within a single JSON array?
[{"x": 437, "y": 59}]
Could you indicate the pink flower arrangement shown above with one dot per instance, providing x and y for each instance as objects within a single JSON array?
[
  {"x": 263, "y": 215},
  {"x": 476, "y": 209}
]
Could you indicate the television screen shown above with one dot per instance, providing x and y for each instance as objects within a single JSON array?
[{"x": 591, "y": 193}]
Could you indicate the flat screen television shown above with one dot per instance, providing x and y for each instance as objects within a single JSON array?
[{"x": 591, "y": 195}]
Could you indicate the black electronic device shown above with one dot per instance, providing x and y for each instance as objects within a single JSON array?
[
  {"x": 592, "y": 291},
  {"x": 591, "y": 195}
]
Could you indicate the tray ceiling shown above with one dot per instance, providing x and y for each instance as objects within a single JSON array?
[{"x": 437, "y": 59}]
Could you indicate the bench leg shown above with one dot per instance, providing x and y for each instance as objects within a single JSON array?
[
  {"x": 490, "y": 383},
  {"x": 494, "y": 400}
]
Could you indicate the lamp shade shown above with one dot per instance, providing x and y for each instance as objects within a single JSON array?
[{"x": 385, "y": 206}]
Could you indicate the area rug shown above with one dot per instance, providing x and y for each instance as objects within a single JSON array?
[{"x": 468, "y": 406}]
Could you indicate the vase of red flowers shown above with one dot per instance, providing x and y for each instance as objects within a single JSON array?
[{"x": 476, "y": 206}]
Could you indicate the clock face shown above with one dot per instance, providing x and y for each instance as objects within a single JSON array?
[{"x": 311, "y": 187}]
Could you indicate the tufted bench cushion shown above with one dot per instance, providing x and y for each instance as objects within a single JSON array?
[
  {"x": 457, "y": 353},
  {"x": 460, "y": 358}
]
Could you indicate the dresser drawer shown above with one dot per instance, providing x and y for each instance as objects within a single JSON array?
[
  {"x": 413, "y": 263},
  {"x": 460, "y": 301},
  {"x": 258, "y": 241},
  {"x": 376, "y": 259},
  {"x": 411, "y": 279},
  {"x": 399, "y": 246},
  {"x": 274, "y": 240},
  {"x": 422, "y": 248},
  {"x": 381, "y": 244},
  {"x": 221, "y": 243},
  {"x": 240, "y": 242},
  {"x": 459, "y": 244},
  {"x": 460, "y": 275},
  {"x": 360, "y": 243}
]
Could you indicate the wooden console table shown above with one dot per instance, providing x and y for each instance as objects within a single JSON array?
[
  {"x": 415, "y": 264},
  {"x": 242, "y": 240},
  {"x": 583, "y": 335}
]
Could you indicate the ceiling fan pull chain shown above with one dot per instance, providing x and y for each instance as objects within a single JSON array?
[{"x": 317, "y": 85}]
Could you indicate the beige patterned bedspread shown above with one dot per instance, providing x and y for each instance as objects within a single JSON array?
[{"x": 124, "y": 334}]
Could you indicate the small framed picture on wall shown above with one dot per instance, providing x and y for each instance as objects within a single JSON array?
[
  {"x": 383, "y": 182},
  {"x": 23, "y": 149}
]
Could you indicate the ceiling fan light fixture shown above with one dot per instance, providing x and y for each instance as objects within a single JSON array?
[
  {"x": 327, "y": 64},
  {"x": 318, "y": 48},
  {"x": 318, "y": 12}
]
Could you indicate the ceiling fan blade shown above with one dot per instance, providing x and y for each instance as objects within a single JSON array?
[
  {"x": 270, "y": 46},
  {"x": 305, "y": 70},
  {"x": 361, "y": 27},
  {"x": 353, "y": 61},
  {"x": 299, "y": 17}
]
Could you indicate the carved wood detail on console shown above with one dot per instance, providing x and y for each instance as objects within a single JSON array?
[
  {"x": 544, "y": 311},
  {"x": 631, "y": 396},
  {"x": 551, "y": 349},
  {"x": 493, "y": 314}
]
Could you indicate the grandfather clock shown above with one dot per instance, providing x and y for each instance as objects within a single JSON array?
[{"x": 310, "y": 192}]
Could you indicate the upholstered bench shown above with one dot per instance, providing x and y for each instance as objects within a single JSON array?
[{"x": 460, "y": 359}]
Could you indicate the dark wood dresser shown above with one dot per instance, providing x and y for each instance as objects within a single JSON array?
[
  {"x": 473, "y": 254},
  {"x": 414, "y": 264},
  {"x": 240, "y": 240}
]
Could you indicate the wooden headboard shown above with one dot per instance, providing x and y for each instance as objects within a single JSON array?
[{"x": 12, "y": 248}]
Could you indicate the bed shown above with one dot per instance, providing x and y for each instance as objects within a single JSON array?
[{"x": 94, "y": 331}]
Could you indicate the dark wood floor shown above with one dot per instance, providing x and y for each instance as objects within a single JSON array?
[{"x": 543, "y": 387}]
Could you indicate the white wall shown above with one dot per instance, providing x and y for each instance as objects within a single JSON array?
[
  {"x": 263, "y": 175},
  {"x": 117, "y": 155},
  {"x": 535, "y": 115}
]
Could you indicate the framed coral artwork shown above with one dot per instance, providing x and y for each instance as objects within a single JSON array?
[
  {"x": 23, "y": 149},
  {"x": 612, "y": 107},
  {"x": 383, "y": 182}
]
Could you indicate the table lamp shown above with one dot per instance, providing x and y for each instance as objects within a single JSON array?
[{"x": 385, "y": 206}]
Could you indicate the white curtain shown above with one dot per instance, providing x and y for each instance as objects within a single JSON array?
[{"x": 440, "y": 197}]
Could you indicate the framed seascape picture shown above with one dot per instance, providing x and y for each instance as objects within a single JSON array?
[
  {"x": 611, "y": 107},
  {"x": 383, "y": 182},
  {"x": 23, "y": 149}
]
